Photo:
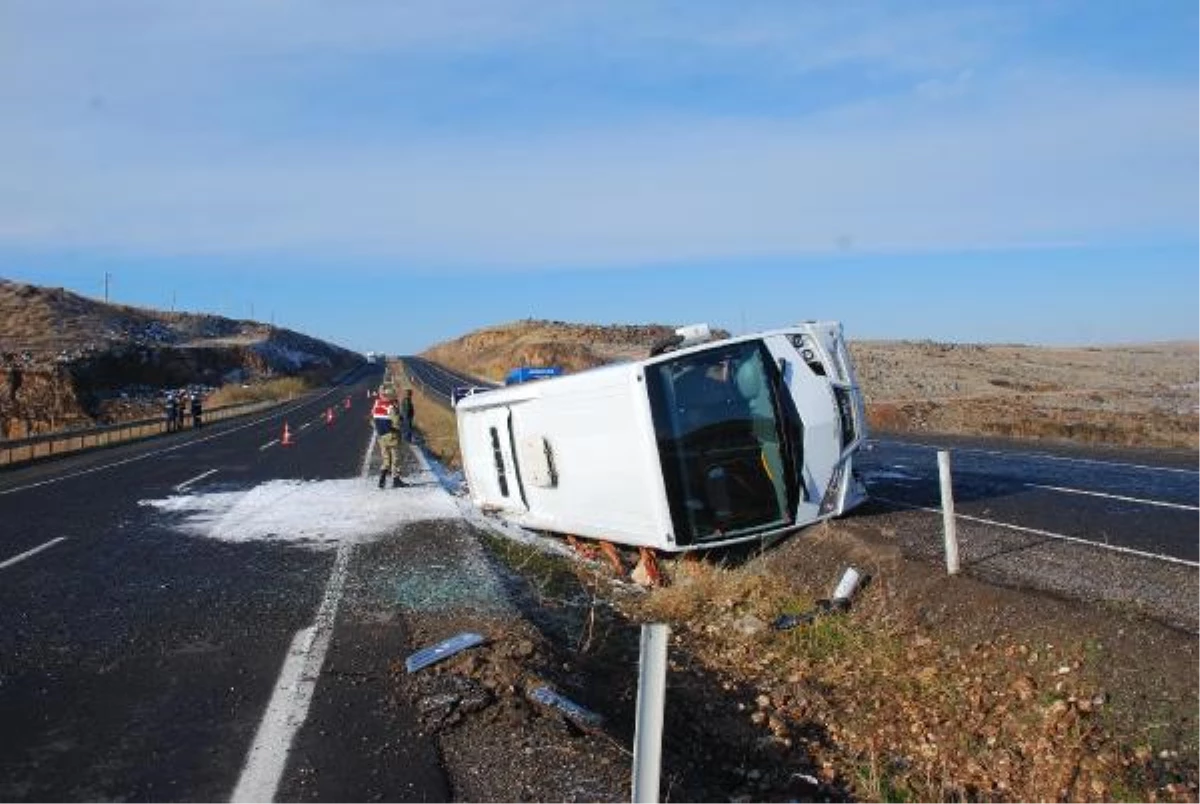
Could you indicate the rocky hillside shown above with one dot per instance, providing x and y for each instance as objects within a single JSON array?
[
  {"x": 491, "y": 352},
  {"x": 70, "y": 361}
]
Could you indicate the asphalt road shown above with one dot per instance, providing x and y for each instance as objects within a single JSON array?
[
  {"x": 1121, "y": 500},
  {"x": 159, "y": 619},
  {"x": 139, "y": 661},
  {"x": 437, "y": 380}
]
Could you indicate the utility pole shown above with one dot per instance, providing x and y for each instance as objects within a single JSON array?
[{"x": 107, "y": 277}]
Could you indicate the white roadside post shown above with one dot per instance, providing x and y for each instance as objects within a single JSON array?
[
  {"x": 948, "y": 512},
  {"x": 651, "y": 698}
]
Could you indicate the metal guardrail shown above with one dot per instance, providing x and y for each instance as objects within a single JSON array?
[{"x": 21, "y": 450}]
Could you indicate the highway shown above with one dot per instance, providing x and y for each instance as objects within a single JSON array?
[
  {"x": 155, "y": 596},
  {"x": 206, "y": 615}
]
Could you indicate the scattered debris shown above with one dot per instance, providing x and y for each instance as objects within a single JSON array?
[
  {"x": 574, "y": 712},
  {"x": 848, "y": 584},
  {"x": 786, "y": 622},
  {"x": 839, "y": 604},
  {"x": 442, "y": 650}
]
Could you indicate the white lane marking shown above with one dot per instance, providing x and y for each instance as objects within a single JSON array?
[
  {"x": 1046, "y": 533},
  {"x": 293, "y": 693},
  {"x": 1044, "y": 455},
  {"x": 270, "y": 443},
  {"x": 1138, "y": 500},
  {"x": 29, "y": 553},
  {"x": 294, "y": 688},
  {"x": 158, "y": 452},
  {"x": 201, "y": 476}
]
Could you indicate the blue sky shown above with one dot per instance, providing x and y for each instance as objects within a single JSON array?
[{"x": 390, "y": 174}]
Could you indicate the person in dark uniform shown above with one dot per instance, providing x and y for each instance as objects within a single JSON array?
[
  {"x": 172, "y": 411},
  {"x": 196, "y": 409},
  {"x": 406, "y": 415}
]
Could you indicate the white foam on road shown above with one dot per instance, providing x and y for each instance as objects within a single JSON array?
[{"x": 311, "y": 513}]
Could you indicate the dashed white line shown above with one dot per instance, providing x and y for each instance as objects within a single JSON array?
[
  {"x": 1120, "y": 497},
  {"x": 34, "y": 551},
  {"x": 200, "y": 476},
  {"x": 1046, "y": 533},
  {"x": 270, "y": 443}
]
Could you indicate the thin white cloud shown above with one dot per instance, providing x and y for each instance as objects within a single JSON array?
[{"x": 110, "y": 145}]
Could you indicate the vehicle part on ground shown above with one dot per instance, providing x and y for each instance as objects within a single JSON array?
[
  {"x": 442, "y": 650},
  {"x": 573, "y": 711}
]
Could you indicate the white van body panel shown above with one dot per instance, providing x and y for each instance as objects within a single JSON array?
[
  {"x": 583, "y": 454},
  {"x": 604, "y": 480}
]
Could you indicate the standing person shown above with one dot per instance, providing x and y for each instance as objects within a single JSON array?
[
  {"x": 181, "y": 399},
  {"x": 197, "y": 406},
  {"x": 406, "y": 414},
  {"x": 385, "y": 415},
  {"x": 171, "y": 411}
]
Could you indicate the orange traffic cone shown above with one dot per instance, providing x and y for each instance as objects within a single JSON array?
[
  {"x": 286, "y": 441},
  {"x": 328, "y": 416}
]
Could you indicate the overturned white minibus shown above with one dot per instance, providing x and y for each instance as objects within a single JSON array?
[{"x": 714, "y": 443}]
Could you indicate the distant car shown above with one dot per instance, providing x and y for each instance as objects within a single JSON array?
[{"x": 529, "y": 373}]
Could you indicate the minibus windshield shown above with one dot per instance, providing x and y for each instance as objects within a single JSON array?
[{"x": 719, "y": 440}]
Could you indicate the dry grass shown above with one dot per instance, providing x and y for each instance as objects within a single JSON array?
[
  {"x": 907, "y": 716},
  {"x": 1143, "y": 395},
  {"x": 269, "y": 391}
]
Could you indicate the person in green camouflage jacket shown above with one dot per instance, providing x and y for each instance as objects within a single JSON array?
[{"x": 385, "y": 415}]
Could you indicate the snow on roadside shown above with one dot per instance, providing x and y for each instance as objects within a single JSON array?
[{"x": 317, "y": 514}]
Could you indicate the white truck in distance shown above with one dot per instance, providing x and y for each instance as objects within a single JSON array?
[{"x": 714, "y": 443}]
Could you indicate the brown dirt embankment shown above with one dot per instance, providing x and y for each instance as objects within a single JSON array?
[{"x": 67, "y": 361}]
